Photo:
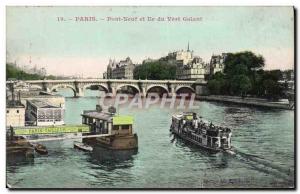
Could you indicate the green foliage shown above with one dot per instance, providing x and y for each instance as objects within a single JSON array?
[
  {"x": 272, "y": 89},
  {"x": 214, "y": 86},
  {"x": 217, "y": 84},
  {"x": 243, "y": 74},
  {"x": 16, "y": 73},
  {"x": 288, "y": 74},
  {"x": 241, "y": 84},
  {"x": 51, "y": 77},
  {"x": 243, "y": 63},
  {"x": 158, "y": 70}
]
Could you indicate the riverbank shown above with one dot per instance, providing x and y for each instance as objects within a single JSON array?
[{"x": 259, "y": 102}]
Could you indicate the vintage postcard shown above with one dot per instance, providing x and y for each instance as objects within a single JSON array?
[{"x": 160, "y": 97}]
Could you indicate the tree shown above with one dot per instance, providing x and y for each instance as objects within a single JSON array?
[
  {"x": 157, "y": 70},
  {"x": 241, "y": 85},
  {"x": 218, "y": 84},
  {"x": 15, "y": 72},
  {"x": 248, "y": 59},
  {"x": 257, "y": 84},
  {"x": 240, "y": 73},
  {"x": 214, "y": 86},
  {"x": 271, "y": 86}
]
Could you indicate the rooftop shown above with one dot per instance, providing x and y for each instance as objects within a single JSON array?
[
  {"x": 98, "y": 115},
  {"x": 14, "y": 104},
  {"x": 41, "y": 104}
]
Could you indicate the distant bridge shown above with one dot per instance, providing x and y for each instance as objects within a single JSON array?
[{"x": 171, "y": 87}]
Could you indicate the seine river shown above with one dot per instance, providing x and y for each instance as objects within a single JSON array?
[{"x": 263, "y": 141}]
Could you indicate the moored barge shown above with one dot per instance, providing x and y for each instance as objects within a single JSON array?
[
  {"x": 189, "y": 127},
  {"x": 117, "y": 130}
]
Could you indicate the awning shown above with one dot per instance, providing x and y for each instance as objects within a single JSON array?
[
  {"x": 52, "y": 129},
  {"x": 122, "y": 120},
  {"x": 189, "y": 117}
]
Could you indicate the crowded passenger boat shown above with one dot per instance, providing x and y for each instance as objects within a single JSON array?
[{"x": 195, "y": 130}]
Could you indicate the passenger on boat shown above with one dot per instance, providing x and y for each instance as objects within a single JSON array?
[
  {"x": 183, "y": 122},
  {"x": 195, "y": 123}
]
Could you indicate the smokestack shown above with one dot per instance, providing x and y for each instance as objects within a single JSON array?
[
  {"x": 19, "y": 96},
  {"x": 12, "y": 92}
]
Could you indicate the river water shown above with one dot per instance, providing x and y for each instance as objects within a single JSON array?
[{"x": 263, "y": 141}]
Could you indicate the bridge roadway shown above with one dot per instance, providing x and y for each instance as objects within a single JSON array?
[{"x": 171, "y": 87}]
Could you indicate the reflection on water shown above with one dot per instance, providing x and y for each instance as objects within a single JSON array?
[
  {"x": 13, "y": 161},
  {"x": 263, "y": 141},
  {"x": 111, "y": 157},
  {"x": 239, "y": 115}
]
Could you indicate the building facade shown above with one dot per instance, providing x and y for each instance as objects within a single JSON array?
[
  {"x": 15, "y": 110},
  {"x": 217, "y": 63},
  {"x": 288, "y": 79},
  {"x": 189, "y": 67},
  {"x": 42, "y": 113},
  {"x": 122, "y": 70},
  {"x": 15, "y": 115},
  {"x": 196, "y": 69},
  {"x": 181, "y": 57}
]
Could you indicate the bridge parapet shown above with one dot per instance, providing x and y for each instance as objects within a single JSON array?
[{"x": 113, "y": 85}]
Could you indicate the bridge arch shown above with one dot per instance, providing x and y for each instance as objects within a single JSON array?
[
  {"x": 96, "y": 84},
  {"x": 128, "y": 85},
  {"x": 178, "y": 88},
  {"x": 63, "y": 86},
  {"x": 151, "y": 87}
]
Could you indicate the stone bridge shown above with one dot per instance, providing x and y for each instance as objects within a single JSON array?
[{"x": 113, "y": 85}]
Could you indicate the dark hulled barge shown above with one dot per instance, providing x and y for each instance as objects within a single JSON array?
[
  {"x": 118, "y": 130},
  {"x": 193, "y": 129}
]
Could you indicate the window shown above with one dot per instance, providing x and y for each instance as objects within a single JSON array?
[
  {"x": 116, "y": 127},
  {"x": 17, "y": 111},
  {"x": 125, "y": 127},
  {"x": 7, "y": 111}
]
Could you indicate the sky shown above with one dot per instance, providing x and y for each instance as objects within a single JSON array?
[{"x": 35, "y": 36}]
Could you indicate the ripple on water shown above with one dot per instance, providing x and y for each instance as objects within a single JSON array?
[{"x": 265, "y": 155}]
